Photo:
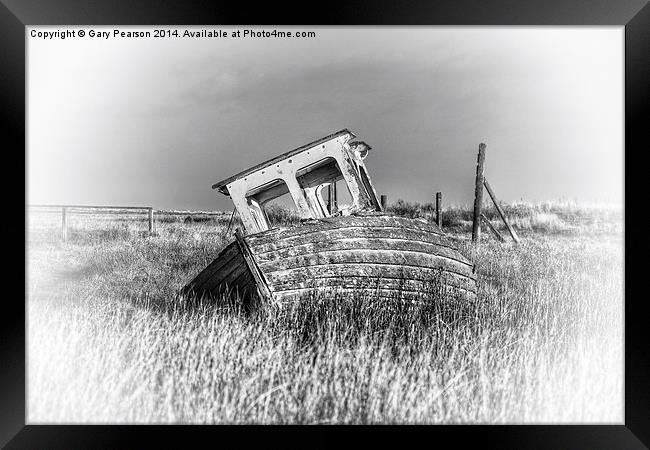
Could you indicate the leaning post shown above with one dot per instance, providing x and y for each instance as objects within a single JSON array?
[
  {"x": 491, "y": 227},
  {"x": 500, "y": 211},
  {"x": 384, "y": 202},
  {"x": 439, "y": 209},
  {"x": 478, "y": 195}
]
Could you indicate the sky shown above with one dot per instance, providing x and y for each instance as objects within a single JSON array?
[{"x": 156, "y": 121}]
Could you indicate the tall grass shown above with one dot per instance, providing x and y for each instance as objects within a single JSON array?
[
  {"x": 546, "y": 217},
  {"x": 109, "y": 341}
]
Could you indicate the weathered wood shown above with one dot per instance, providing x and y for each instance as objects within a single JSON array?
[
  {"x": 491, "y": 227},
  {"x": 367, "y": 269},
  {"x": 243, "y": 281},
  {"x": 234, "y": 266},
  {"x": 262, "y": 287},
  {"x": 242, "y": 285},
  {"x": 399, "y": 254},
  {"x": 232, "y": 277},
  {"x": 343, "y": 222},
  {"x": 332, "y": 201},
  {"x": 327, "y": 237},
  {"x": 299, "y": 199},
  {"x": 64, "y": 224},
  {"x": 360, "y": 197},
  {"x": 318, "y": 233},
  {"x": 288, "y": 264},
  {"x": 295, "y": 170},
  {"x": 229, "y": 270},
  {"x": 478, "y": 195},
  {"x": 500, "y": 211},
  {"x": 368, "y": 186},
  {"x": 340, "y": 252},
  {"x": 150, "y": 211},
  {"x": 316, "y": 206},
  {"x": 391, "y": 295},
  {"x": 352, "y": 281},
  {"x": 358, "y": 245},
  {"x": 439, "y": 209},
  {"x": 367, "y": 257},
  {"x": 224, "y": 257},
  {"x": 245, "y": 288}
]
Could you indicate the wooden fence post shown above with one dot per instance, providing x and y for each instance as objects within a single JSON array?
[
  {"x": 491, "y": 227},
  {"x": 384, "y": 202},
  {"x": 439, "y": 209},
  {"x": 478, "y": 195},
  {"x": 500, "y": 211},
  {"x": 64, "y": 224},
  {"x": 150, "y": 220}
]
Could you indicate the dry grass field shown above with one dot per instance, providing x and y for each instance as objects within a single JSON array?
[{"x": 109, "y": 341}]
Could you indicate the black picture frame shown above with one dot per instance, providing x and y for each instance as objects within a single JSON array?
[{"x": 634, "y": 15}]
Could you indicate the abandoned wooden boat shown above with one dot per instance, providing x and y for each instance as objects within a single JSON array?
[{"x": 349, "y": 248}]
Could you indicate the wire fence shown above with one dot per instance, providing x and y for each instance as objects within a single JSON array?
[{"x": 151, "y": 213}]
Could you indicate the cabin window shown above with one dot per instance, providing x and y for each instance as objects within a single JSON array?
[
  {"x": 271, "y": 205},
  {"x": 325, "y": 188}
]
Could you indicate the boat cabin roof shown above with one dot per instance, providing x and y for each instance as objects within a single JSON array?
[{"x": 222, "y": 185}]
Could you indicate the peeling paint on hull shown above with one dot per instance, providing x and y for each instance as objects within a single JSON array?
[{"x": 377, "y": 253}]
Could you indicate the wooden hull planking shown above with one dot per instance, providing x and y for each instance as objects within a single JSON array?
[{"x": 375, "y": 254}]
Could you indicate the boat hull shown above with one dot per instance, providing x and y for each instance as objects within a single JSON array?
[{"x": 375, "y": 254}]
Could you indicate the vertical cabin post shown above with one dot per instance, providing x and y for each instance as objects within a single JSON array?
[
  {"x": 331, "y": 198},
  {"x": 64, "y": 224},
  {"x": 360, "y": 198},
  {"x": 298, "y": 195},
  {"x": 314, "y": 204},
  {"x": 439, "y": 209},
  {"x": 478, "y": 195},
  {"x": 241, "y": 205},
  {"x": 384, "y": 202}
]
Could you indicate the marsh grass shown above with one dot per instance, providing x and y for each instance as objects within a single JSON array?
[
  {"x": 110, "y": 341},
  {"x": 554, "y": 217}
]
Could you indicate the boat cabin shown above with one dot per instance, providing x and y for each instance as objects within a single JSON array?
[{"x": 307, "y": 173}]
